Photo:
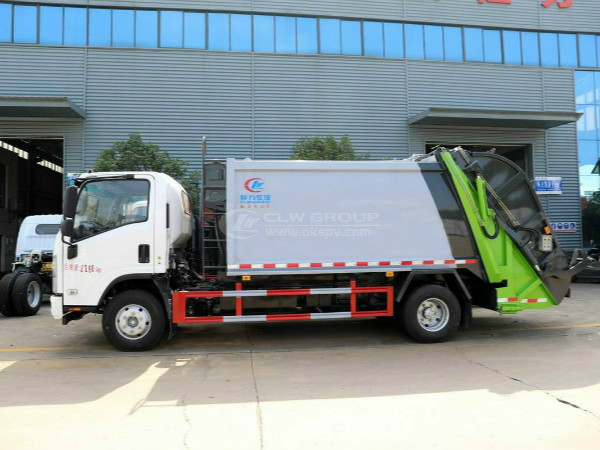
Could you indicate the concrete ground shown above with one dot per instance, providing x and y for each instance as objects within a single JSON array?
[{"x": 530, "y": 381}]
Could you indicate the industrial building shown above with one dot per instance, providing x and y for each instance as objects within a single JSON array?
[{"x": 398, "y": 76}]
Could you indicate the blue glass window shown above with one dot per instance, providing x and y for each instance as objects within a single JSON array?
[
  {"x": 285, "y": 34},
  {"x": 492, "y": 47},
  {"x": 25, "y": 24},
  {"x": 511, "y": 41},
  {"x": 567, "y": 44},
  {"x": 171, "y": 29},
  {"x": 584, "y": 87},
  {"x": 330, "y": 35},
  {"x": 413, "y": 37},
  {"x": 587, "y": 126},
  {"x": 588, "y": 153},
  {"x": 307, "y": 35},
  {"x": 394, "y": 40},
  {"x": 75, "y": 26},
  {"x": 146, "y": 29},
  {"x": 122, "y": 28},
  {"x": 264, "y": 34},
  {"x": 588, "y": 133},
  {"x": 597, "y": 87},
  {"x": 549, "y": 47},
  {"x": 473, "y": 44},
  {"x": 434, "y": 45},
  {"x": 100, "y": 27},
  {"x": 453, "y": 44},
  {"x": 531, "y": 48},
  {"x": 218, "y": 31},
  {"x": 241, "y": 32},
  {"x": 5, "y": 22},
  {"x": 79, "y": 26},
  {"x": 587, "y": 50},
  {"x": 51, "y": 25},
  {"x": 351, "y": 41},
  {"x": 194, "y": 30},
  {"x": 373, "y": 37}
]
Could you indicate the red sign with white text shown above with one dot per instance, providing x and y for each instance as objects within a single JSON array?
[
  {"x": 545, "y": 4},
  {"x": 560, "y": 3}
]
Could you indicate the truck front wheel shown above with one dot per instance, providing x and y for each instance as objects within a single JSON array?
[
  {"x": 430, "y": 313},
  {"x": 134, "y": 320}
]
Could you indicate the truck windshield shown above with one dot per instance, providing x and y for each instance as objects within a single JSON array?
[{"x": 108, "y": 204}]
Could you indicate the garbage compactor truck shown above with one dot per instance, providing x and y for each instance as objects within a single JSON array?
[
  {"x": 421, "y": 240},
  {"x": 22, "y": 290}
]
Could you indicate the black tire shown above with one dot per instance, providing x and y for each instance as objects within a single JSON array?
[
  {"x": 126, "y": 337},
  {"x": 430, "y": 313},
  {"x": 6, "y": 287},
  {"x": 27, "y": 294}
]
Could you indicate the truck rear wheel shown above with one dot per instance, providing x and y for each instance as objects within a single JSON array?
[
  {"x": 134, "y": 321},
  {"x": 27, "y": 294},
  {"x": 6, "y": 287},
  {"x": 430, "y": 313}
]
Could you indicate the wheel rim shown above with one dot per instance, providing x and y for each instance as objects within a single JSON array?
[
  {"x": 133, "y": 322},
  {"x": 34, "y": 294},
  {"x": 433, "y": 314}
]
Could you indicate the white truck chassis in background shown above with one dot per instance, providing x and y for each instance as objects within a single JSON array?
[{"x": 22, "y": 290}]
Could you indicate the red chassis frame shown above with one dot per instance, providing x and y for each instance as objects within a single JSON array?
[{"x": 179, "y": 298}]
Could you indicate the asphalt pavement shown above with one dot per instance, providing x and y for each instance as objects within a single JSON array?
[{"x": 526, "y": 381}]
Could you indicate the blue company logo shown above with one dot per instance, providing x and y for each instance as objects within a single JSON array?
[{"x": 254, "y": 185}]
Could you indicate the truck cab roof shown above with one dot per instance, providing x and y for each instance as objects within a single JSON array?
[{"x": 38, "y": 233}]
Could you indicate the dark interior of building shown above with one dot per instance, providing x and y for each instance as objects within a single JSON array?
[{"x": 39, "y": 175}]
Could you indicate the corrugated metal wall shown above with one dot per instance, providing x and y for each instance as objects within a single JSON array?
[
  {"x": 172, "y": 97},
  {"x": 35, "y": 71},
  {"x": 304, "y": 96},
  {"x": 261, "y": 104}
]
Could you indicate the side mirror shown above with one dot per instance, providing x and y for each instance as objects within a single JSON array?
[
  {"x": 70, "y": 202},
  {"x": 66, "y": 227}
]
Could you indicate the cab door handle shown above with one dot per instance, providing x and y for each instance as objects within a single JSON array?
[{"x": 144, "y": 253}]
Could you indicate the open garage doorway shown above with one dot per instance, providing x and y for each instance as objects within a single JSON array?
[
  {"x": 31, "y": 183},
  {"x": 520, "y": 154}
]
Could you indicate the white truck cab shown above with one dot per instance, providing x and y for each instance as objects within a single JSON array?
[{"x": 120, "y": 228}]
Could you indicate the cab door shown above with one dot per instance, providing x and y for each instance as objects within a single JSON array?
[{"x": 113, "y": 237}]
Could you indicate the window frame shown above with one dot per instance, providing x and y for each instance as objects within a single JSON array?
[
  {"x": 311, "y": 41},
  {"x": 99, "y": 180}
]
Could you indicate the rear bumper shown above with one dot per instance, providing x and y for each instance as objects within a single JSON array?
[{"x": 56, "y": 306}]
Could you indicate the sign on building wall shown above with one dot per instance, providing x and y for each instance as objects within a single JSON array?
[
  {"x": 545, "y": 4},
  {"x": 548, "y": 185},
  {"x": 564, "y": 227}
]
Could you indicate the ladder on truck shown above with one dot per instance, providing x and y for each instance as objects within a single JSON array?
[{"x": 212, "y": 215}]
